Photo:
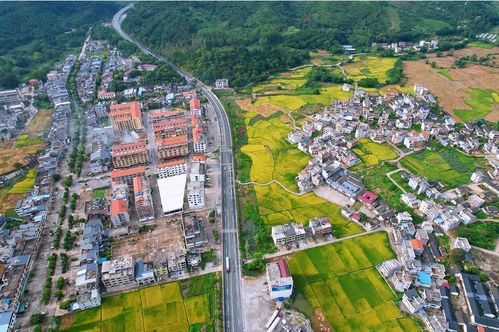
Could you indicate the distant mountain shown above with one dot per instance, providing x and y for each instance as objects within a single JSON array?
[
  {"x": 36, "y": 34},
  {"x": 245, "y": 41}
]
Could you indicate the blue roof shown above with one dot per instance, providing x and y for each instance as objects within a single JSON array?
[
  {"x": 5, "y": 318},
  {"x": 424, "y": 278}
]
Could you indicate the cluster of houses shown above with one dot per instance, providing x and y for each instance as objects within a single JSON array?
[
  {"x": 15, "y": 110},
  {"x": 19, "y": 244},
  {"x": 90, "y": 69},
  {"x": 418, "y": 272},
  {"x": 401, "y": 46},
  {"x": 295, "y": 233}
]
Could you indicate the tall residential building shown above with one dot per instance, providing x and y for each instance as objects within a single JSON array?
[
  {"x": 195, "y": 106},
  {"x": 163, "y": 115},
  {"x": 131, "y": 154},
  {"x": 118, "y": 272},
  {"x": 172, "y": 168},
  {"x": 119, "y": 212},
  {"x": 143, "y": 199},
  {"x": 173, "y": 147},
  {"x": 198, "y": 135},
  {"x": 126, "y": 117},
  {"x": 163, "y": 129},
  {"x": 195, "y": 195},
  {"x": 127, "y": 175}
]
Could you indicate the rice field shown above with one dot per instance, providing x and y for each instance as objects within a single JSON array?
[
  {"x": 277, "y": 206},
  {"x": 341, "y": 280},
  {"x": 22, "y": 187},
  {"x": 273, "y": 157},
  {"x": 446, "y": 165},
  {"x": 157, "y": 308},
  {"x": 372, "y": 153},
  {"x": 295, "y": 101},
  {"x": 369, "y": 67}
]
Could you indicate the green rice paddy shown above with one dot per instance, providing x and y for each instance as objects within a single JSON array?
[
  {"x": 341, "y": 279},
  {"x": 164, "y": 307}
]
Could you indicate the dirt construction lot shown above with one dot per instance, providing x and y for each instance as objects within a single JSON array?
[
  {"x": 166, "y": 236},
  {"x": 453, "y": 92}
]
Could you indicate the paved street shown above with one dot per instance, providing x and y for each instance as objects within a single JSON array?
[{"x": 232, "y": 280}]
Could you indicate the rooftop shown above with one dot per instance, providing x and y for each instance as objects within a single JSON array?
[{"x": 171, "y": 191}]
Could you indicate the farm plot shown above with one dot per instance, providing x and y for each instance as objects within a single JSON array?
[
  {"x": 295, "y": 101},
  {"x": 158, "y": 308},
  {"x": 273, "y": 157},
  {"x": 445, "y": 165},
  {"x": 369, "y": 67},
  {"x": 457, "y": 94},
  {"x": 340, "y": 281},
  {"x": 11, "y": 156},
  {"x": 277, "y": 207},
  {"x": 481, "y": 102},
  {"x": 372, "y": 153},
  {"x": 40, "y": 122},
  {"x": 26, "y": 184}
]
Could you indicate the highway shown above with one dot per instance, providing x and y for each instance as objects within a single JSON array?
[{"x": 233, "y": 315}]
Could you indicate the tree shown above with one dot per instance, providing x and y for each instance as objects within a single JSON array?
[
  {"x": 68, "y": 181},
  {"x": 456, "y": 256},
  {"x": 56, "y": 177},
  {"x": 36, "y": 319}
]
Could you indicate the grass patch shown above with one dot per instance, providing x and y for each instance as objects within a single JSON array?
[
  {"x": 372, "y": 153},
  {"x": 156, "y": 308},
  {"x": 446, "y": 165},
  {"x": 481, "y": 44},
  {"x": 481, "y": 102},
  {"x": 445, "y": 72},
  {"x": 100, "y": 193},
  {"x": 341, "y": 279},
  {"x": 26, "y": 140},
  {"x": 22, "y": 187},
  {"x": 480, "y": 234}
]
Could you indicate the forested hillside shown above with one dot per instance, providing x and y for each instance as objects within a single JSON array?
[
  {"x": 245, "y": 41},
  {"x": 37, "y": 34}
]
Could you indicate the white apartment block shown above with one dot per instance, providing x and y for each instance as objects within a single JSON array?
[
  {"x": 172, "y": 168},
  {"x": 118, "y": 272},
  {"x": 199, "y": 146},
  {"x": 195, "y": 195}
]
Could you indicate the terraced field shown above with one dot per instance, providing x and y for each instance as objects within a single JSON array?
[
  {"x": 167, "y": 307},
  {"x": 273, "y": 157},
  {"x": 340, "y": 281}
]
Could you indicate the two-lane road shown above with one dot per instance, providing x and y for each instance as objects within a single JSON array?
[{"x": 233, "y": 317}]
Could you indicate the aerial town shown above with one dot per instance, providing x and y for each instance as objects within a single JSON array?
[{"x": 135, "y": 196}]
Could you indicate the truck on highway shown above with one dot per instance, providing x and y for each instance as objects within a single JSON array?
[{"x": 227, "y": 264}]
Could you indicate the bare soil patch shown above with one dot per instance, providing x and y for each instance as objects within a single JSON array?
[
  {"x": 40, "y": 123},
  {"x": 9, "y": 201},
  {"x": 165, "y": 236},
  {"x": 453, "y": 94},
  {"x": 66, "y": 321},
  {"x": 265, "y": 109},
  {"x": 319, "y": 322},
  {"x": 10, "y": 155}
]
